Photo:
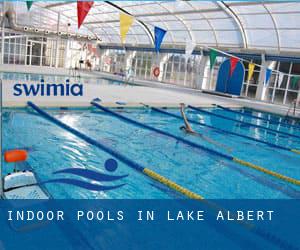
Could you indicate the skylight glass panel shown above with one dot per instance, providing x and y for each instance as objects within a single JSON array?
[
  {"x": 288, "y": 21},
  {"x": 204, "y": 37},
  {"x": 223, "y": 24},
  {"x": 283, "y": 7},
  {"x": 244, "y": 8},
  {"x": 257, "y": 21},
  {"x": 229, "y": 37},
  {"x": 177, "y": 6},
  {"x": 261, "y": 38},
  {"x": 197, "y": 24},
  {"x": 289, "y": 39}
]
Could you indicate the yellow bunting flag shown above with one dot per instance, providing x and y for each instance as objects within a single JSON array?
[
  {"x": 125, "y": 23},
  {"x": 250, "y": 71}
]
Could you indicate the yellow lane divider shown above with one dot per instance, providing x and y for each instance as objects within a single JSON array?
[
  {"x": 195, "y": 145},
  {"x": 214, "y": 206},
  {"x": 172, "y": 185},
  {"x": 296, "y": 151},
  {"x": 266, "y": 171}
]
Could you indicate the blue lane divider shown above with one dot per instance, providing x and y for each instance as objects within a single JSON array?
[
  {"x": 257, "y": 117},
  {"x": 147, "y": 171},
  {"x": 108, "y": 150},
  {"x": 142, "y": 125},
  {"x": 143, "y": 170},
  {"x": 247, "y": 123},
  {"x": 221, "y": 130},
  {"x": 195, "y": 145}
]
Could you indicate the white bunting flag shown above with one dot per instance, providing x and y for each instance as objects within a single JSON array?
[
  {"x": 280, "y": 79},
  {"x": 189, "y": 48}
]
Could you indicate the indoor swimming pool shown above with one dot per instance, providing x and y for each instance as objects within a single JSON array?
[{"x": 52, "y": 148}]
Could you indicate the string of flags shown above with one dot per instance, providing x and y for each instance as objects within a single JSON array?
[
  {"x": 294, "y": 80},
  {"x": 189, "y": 48},
  {"x": 126, "y": 21}
]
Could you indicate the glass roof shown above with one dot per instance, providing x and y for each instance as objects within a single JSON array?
[{"x": 266, "y": 25}]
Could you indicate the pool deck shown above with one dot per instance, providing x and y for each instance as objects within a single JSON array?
[
  {"x": 146, "y": 92},
  {"x": 110, "y": 94}
]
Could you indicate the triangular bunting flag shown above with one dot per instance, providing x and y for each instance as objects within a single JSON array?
[
  {"x": 280, "y": 79},
  {"x": 212, "y": 57},
  {"x": 29, "y": 4},
  {"x": 83, "y": 8},
  {"x": 189, "y": 48},
  {"x": 268, "y": 76},
  {"x": 233, "y": 63},
  {"x": 251, "y": 67},
  {"x": 159, "y": 35},
  {"x": 125, "y": 23},
  {"x": 295, "y": 80}
]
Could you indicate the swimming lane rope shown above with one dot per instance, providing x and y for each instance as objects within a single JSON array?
[
  {"x": 195, "y": 145},
  {"x": 155, "y": 176},
  {"x": 136, "y": 166},
  {"x": 225, "y": 131},
  {"x": 248, "y": 123}
]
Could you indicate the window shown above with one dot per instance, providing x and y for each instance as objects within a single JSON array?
[{"x": 22, "y": 49}]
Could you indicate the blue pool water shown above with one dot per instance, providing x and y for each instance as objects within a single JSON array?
[{"x": 52, "y": 149}]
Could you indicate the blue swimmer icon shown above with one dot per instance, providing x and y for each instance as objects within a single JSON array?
[{"x": 110, "y": 165}]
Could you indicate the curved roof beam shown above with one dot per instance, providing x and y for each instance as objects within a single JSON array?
[
  {"x": 144, "y": 26},
  {"x": 237, "y": 20},
  {"x": 275, "y": 26}
]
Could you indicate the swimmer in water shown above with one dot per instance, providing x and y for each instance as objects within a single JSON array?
[{"x": 188, "y": 129}]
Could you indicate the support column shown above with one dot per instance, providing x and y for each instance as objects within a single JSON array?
[
  {"x": 3, "y": 34},
  {"x": 161, "y": 67},
  {"x": 202, "y": 81},
  {"x": 67, "y": 60},
  {"x": 2, "y": 42},
  {"x": 261, "y": 91},
  {"x": 130, "y": 73}
]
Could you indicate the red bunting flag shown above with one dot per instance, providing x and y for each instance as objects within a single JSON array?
[
  {"x": 83, "y": 9},
  {"x": 233, "y": 62}
]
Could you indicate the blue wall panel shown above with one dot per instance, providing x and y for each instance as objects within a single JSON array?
[{"x": 230, "y": 84}]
